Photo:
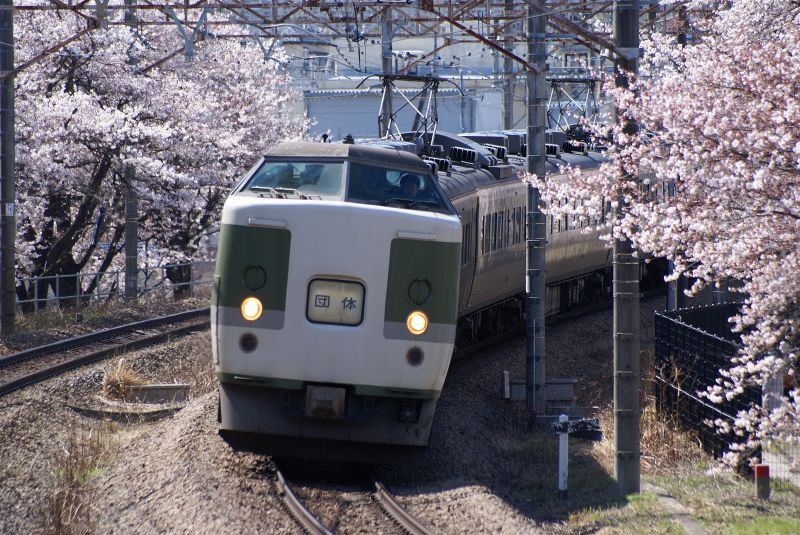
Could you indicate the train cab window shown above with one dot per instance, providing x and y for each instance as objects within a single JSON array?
[
  {"x": 371, "y": 184},
  {"x": 323, "y": 179}
]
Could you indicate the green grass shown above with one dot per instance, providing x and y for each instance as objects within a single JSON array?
[
  {"x": 724, "y": 502},
  {"x": 642, "y": 513},
  {"x": 767, "y": 525}
]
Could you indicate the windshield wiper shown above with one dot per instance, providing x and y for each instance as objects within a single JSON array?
[
  {"x": 411, "y": 203},
  {"x": 407, "y": 202},
  {"x": 425, "y": 203}
]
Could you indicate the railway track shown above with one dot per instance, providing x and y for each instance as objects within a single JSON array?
[
  {"x": 39, "y": 363},
  {"x": 381, "y": 507}
]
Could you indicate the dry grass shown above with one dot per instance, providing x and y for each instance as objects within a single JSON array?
[
  {"x": 664, "y": 445},
  {"x": 118, "y": 378},
  {"x": 191, "y": 363},
  {"x": 86, "y": 452}
]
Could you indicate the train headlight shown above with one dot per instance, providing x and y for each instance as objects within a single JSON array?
[
  {"x": 252, "y": 308},
  {"x": 417, "y": 322}
]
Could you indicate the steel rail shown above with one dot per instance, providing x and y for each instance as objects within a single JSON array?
[
  {"x": 407, "y": 522},
  {"x": 102, "y": 353},
  {"x": 302, "y": 516},
  {"x": 99, "y": 336}
]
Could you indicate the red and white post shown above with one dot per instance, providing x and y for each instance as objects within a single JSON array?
[{"x": 762, "y": 481}]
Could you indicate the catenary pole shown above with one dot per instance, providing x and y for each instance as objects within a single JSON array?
[
  {"x": 508, "y": 71},
  {"x": 535, "y": 283},
  {"x": 8, "y": 301},
  {"x": 386, "y": 68},
  {"x": 131, "y": 235},
  {"x": 626, "y": 287}
]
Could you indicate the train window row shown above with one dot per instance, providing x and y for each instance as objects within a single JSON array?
[
  {"x": 502, "y": 229},
  {"x": 508, "y": 227}
]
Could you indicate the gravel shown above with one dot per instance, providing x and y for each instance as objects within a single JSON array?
[
  {"x": 483, "y": 472},
  {"x": 181, "y": 477}
]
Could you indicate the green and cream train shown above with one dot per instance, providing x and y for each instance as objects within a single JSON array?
[
  {"x": 334, "y": 308},
  {"x": 348, "y": 273}
]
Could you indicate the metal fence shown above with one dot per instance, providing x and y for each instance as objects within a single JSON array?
[
  {"x": 83, "y": 288},
  {"x": 691, "y": 346}
]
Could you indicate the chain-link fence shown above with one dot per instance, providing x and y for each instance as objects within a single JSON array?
[
  {"x": 692, "y": 346},
  {"x": 82, "y": 289}
]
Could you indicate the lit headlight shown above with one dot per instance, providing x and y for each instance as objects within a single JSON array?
[
  {"x": 417, "y": 322},
  {"x": 251, "y": 309}
]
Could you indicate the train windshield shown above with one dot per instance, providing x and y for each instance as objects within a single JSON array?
[
  {"x": 390, "y": 187},
  {"x": 323, "y": 179}
]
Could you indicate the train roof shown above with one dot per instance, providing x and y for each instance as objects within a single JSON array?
[
  {"x": 384, "y": 154},
  {"x": 463, "y": 179}
]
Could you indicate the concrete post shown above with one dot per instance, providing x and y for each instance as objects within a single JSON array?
[
  {"x": 8, "y": 231},
  {"x": 536, "y": 238},
  {"x": 626, "y": 290},
  {"x": 131, "y": 236},
  {"x": 563, "y": 458}
]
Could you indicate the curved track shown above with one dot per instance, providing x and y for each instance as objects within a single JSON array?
[
  {"x": 387, "y": 507},
  {"x": 39, "y": 363}
]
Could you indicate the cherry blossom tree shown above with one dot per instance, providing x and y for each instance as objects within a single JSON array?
[
  {"x": 188, "y": 129},
  {"x": 721, "y": 121}
]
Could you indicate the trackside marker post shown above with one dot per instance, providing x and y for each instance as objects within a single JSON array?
[
  {"x": 563, "y": 456},
  {"x": 762, "y": 482}
]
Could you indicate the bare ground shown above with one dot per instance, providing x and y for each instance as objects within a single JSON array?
[{"x": 483, "y": 472}]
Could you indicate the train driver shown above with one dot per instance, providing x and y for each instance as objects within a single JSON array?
[{"x": 409, "y": 184}]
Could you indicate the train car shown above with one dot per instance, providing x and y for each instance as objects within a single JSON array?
[
  {"x": 334, "y": 306},
  {"x": 348, "y": 274}
]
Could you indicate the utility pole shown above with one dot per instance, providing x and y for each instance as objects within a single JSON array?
[
  {"x": 508, "y": 74},
  {"x": 131, "y": 235},
  {"x": 626, "y": 285},
  {"x": 463, "y": 103},
  {"x": 386, "y": 68},
  {"x": 8, "y": 224},
  {"x": 536, "y": 158}
]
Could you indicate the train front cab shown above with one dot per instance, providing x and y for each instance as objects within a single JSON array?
[{"x": 358, "y": 311}]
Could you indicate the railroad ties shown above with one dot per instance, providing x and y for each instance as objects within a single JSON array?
[
  {"x": 39, "y": 363},
  {"x": 377, "y": 494}
]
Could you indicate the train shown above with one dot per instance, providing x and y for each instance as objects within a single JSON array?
[{"x": 349, "y": 274}]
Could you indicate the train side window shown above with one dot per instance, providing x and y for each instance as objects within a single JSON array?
[
  {"x": 506, "y": 227},
  {"x": 511, "y": 227},
  {"x": 493, "y": 245},
  {"x": 469, "y": 243},
  {"x": 502, "y": 228},
  {"x": 486, "y": 231},
  {"x": 501, "y": 236},
  {"x": 483, "y": 235},
  {"x": 463, "y": 244}
]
